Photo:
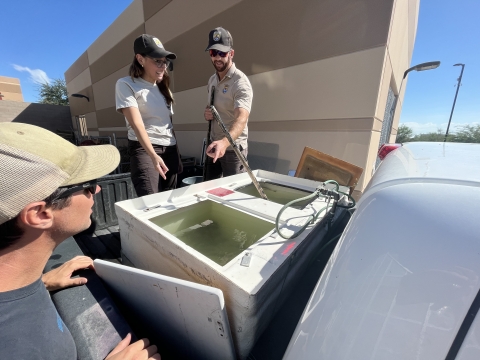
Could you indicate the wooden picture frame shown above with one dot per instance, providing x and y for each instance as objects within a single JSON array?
[{"x": 318, "y": 166}]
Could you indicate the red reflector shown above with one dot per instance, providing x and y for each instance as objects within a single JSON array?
[
  {"x": 385, "y": 149},
  {"x": 220, "y": 192}
]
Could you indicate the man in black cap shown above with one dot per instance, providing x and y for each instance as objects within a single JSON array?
[{"x": 233, "y": 101}]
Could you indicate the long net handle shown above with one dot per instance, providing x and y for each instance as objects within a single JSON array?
[
  {"x": 212, "y": 97},
  {"x": 217, "y": 118}
]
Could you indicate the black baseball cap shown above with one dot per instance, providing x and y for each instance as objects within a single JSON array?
[
  {"x": 151, "y": 46},
  {"x": 220, "y": 39}
]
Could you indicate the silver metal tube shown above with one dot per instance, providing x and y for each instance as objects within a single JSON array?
[{"x": 217, "y": 118}]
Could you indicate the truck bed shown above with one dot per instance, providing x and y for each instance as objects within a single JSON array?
[{"x": 105, "y": 244}]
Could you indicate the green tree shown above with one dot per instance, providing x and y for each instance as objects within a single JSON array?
[
  {"x": 404, "y": 134},
  {"x": 431, "y": 136},
  {"x": 466, "y": 134},
  {"x": 54, "y": 93},
  {"x": 463, "y": 134}
]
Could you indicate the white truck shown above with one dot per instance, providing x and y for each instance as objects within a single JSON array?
[{"x": 403, "y": 282}]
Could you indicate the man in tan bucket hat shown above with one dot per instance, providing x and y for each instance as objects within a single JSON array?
[{"x": 47, "y": 187}]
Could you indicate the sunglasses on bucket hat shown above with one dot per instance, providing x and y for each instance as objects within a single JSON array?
[
  {"x": 214, "y": 53},
  {"x": 90, "y": 186}
]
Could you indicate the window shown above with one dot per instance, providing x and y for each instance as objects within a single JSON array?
[{"x": 387, "y": 119}]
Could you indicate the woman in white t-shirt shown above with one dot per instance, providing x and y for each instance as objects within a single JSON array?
[{"x": 145, "y": 99}]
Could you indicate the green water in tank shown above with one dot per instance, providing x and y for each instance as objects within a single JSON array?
[
  {"x": 277, "y": 193},
  {"x": 215, "y": 230}
]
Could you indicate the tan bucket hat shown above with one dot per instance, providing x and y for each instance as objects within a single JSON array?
[{"x": 34, "y": 162}]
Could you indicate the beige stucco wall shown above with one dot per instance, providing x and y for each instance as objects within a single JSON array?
[
  {"x": 104, "y": 89},
  {"x": 400, "y": 48},
  {"x": 174, "y": 20},
  {"x": 10, "y": 89},
  {"x": 127, "y": 22},
  {"x": 320, "y": 71},
  {"x": 80, "y": 82},
  {"x": 342, "y": 87},
  {"x": 11, "y": 96}
]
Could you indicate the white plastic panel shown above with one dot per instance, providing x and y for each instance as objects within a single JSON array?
[{"x": 189, "y": 315}]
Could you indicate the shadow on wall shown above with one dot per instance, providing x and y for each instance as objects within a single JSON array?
[
  {"x": 265, "y": 156},
  {"x": 50, "y": 117}
]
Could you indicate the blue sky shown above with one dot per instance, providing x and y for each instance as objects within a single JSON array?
[
  {"x": 40, "y": 40},
  {"x": 449, "y": 31}
]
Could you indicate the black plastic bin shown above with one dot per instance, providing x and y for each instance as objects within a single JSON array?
[
  {"x": 119, "y": 187},
  {"x": 115, "y": 188},
  {"x": 188, "y": 171},
  {"x": 192, "y": 180}
]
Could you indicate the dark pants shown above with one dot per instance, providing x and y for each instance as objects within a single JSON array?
[
  {"x": 228, "y": 164},
  {"x": 146, "y": 179}
]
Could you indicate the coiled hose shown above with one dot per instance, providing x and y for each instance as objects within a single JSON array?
[{"x": 319, "y": 192}]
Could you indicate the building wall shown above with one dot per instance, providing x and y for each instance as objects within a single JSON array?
[
  {"x": 10, "y": 89},
  {"x": 320, "y": 71},
  {"x": 50, "y": 117},
  {"x": 400, "y": 49}
]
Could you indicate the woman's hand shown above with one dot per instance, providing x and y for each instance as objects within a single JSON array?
[{"x": 159, "y": 165}]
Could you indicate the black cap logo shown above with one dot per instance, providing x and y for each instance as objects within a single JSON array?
[
  {"x": 157, "y": 42},
  {"x": 150, "y": 45},
  {"x": 219, "y": 39}
]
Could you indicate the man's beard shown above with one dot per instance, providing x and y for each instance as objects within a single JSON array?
[{"x": 222, "y": 68}]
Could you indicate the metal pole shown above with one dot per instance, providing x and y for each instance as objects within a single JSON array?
[
  {"x": 419, "y": 67},
  {"x": 455, "y": 99},
  {"x": 255, "y": 182},
  {"x": 212, "y": 98}
]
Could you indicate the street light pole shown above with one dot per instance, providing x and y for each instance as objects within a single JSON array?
[
  {"x": 81, "y": 96},
  {"x": 455, "y": 99},
  {"x": 420, "y": 67}
]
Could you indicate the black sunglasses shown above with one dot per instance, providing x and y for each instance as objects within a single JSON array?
[
  {"x": 90, "y": 186},
  {"x": 160, "y": 63},
  {"x": 214, "y": 53}
]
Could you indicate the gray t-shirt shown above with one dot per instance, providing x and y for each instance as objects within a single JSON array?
[
  {"x": 30, "y": 327},
  {"x": 152, "y": 106},
  {"x": 234, "y": 91}
]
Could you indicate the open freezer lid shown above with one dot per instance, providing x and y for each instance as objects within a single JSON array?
[{"x": 190, "y": 316}]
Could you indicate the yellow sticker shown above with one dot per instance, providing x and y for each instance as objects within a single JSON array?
[{"x": 158, "y": 42}]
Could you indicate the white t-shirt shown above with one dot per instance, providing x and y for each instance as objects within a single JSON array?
[{"x": 152, "y": 106}]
